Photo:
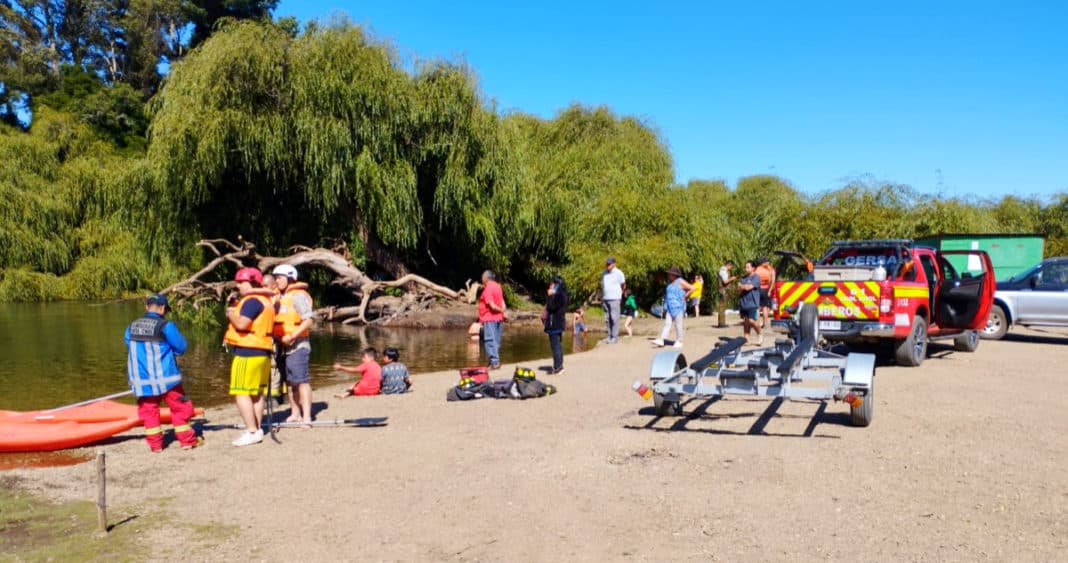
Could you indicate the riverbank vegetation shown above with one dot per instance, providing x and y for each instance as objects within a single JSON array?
[{"x": 135, "y": 131}]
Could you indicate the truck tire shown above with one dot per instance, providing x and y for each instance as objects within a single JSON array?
[
  {"x": 967, "y": 342},
  {"x": 997, "y": 324},
  {"x": 861, "y": 416},
  {"x": 913, "y": 350}
]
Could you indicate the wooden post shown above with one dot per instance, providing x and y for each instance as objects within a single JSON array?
[{"x": 102, "y": 496}]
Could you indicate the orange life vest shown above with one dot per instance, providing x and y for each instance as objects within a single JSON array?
[
  {"x": 287, "y": 319},
  {"x": 257, "y": 336}
]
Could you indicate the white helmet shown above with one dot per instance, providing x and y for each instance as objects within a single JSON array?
[{"x": 285, "y": 270}]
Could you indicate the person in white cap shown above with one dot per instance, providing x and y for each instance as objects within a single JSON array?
[{"x": 292, "y": 325}]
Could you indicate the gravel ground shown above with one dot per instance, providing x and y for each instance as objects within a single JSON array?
[{"x": 966, "y": 460}]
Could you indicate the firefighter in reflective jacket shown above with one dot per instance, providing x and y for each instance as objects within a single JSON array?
[
  {"x": 152, "y": 343},
  {"x": 251, "y": 318}
]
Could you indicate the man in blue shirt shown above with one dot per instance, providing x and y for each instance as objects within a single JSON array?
[
  {"x": 152, "y": 344},
  {"x": 749, "y": 304}
]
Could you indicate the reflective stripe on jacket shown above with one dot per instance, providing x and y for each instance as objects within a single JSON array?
[{"x": 152, "y": 344}]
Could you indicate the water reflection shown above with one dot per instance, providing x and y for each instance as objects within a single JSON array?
[{"x": 59, "y": 353}]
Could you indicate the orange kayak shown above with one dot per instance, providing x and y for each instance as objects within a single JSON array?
[
  {"x": 100, "y": 411},
  {"x": 48, "y": 436}
]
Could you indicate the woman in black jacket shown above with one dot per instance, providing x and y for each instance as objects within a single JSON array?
[{"x": 556, "y": 320}]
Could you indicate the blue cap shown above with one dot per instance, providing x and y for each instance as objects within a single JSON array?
[
  {"x": 157, "y": 299},
  {"x": 610, "y": 260}
]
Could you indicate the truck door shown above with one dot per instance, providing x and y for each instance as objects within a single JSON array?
[{"x": 964, "y": 292}]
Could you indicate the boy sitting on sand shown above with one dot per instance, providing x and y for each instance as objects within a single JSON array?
[
  {"x": 395, "y": 377},
  {"x": 370, "y": 381}
]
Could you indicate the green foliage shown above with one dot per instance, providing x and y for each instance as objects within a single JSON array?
[
  {"x": 330, "y": 128},
  {"x": 287, "y": 137}
]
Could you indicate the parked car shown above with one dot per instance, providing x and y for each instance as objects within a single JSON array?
[{"x": 1036, "y": 297}]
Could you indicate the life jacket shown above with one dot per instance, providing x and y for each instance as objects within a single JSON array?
[
  {"x": 287, "y": 319},
  {"x": 764, "y": 271},
  {"x": 257, "y": 336}
]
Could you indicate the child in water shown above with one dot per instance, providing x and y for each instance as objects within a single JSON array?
[
  {"x": 395, "y": 378},
  {"x": 370, "y": 381},
  {"x": 580, "y": 321}
]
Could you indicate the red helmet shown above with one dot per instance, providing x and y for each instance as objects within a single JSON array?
[{"x": 249, "y": 275}]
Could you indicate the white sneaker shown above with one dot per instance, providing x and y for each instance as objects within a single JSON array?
[
  {"x": 248, "y": 438},
  {"x": 658, "y": 342},
  {"x": 677, "y": 345}
]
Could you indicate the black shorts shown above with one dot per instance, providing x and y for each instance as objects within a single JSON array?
[
  {"x": 748, "y": 314},
  {"x": 765, "y": 298}
]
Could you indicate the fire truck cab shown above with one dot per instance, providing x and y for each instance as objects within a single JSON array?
[{"x": 894, "y": 293}]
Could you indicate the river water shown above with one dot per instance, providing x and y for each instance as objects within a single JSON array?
[{"x": 60, "y": 353}]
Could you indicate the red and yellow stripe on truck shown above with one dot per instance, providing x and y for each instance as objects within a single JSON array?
[
  {"x": 888, "y": 303},
  {"x": 844, "y": 300}
]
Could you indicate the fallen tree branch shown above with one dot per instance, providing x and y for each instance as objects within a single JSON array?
[{"x": 420, "y": 292}]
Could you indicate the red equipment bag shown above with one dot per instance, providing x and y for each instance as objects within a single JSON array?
[{"x": 475, "y": 374}]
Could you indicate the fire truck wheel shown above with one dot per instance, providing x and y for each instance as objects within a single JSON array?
[
  {"x": 967, "y": 342},
  {"x": 913, "y": 350}
]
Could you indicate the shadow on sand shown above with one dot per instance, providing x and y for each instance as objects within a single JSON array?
[{"x": 758, "y": 428}]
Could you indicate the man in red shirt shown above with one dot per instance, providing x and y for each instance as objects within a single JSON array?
[{"x": 491, "y": 315}]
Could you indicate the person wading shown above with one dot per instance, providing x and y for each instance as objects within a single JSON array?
[
  {"x": 612, "y": 284},
  {"x": 292, "y": 325},
  {"x": 491, "y": 314},
  {"x": 152, "y": 343},
  {"x": 249, "y": 335},
  {"x": 556, "y": 320}
]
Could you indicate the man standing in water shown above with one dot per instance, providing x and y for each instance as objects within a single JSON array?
[
  {"x": 292, "y": 325},
  {"x": 491, "y": 315},
  {"x": 249, "y": 335},
  {"x": 152, "y": 369},
  {"x": 612, "y": 283}
]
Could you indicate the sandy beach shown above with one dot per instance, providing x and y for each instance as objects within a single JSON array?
[{"x": 966, "y": 460}]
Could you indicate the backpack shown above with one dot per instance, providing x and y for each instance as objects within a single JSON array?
[
  {"x": 469, "y": 389},
  {"x": 526, "y": 386}
]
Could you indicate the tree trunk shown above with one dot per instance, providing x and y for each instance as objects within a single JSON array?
[{"x": 377, "y": 251}]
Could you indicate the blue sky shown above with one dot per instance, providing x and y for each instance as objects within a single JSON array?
[{"x": 957, "y": 98}]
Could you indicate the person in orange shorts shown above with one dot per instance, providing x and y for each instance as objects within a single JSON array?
[{"x": 370, "y": 381}]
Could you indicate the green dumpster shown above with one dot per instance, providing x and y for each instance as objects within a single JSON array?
[{"x": 1010, "y": 253}]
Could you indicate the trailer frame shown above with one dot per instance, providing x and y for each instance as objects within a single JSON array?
[{"x": 783, "y": 370}]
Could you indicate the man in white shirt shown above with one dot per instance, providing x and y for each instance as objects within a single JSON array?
[{"x": 612, "y": 283}]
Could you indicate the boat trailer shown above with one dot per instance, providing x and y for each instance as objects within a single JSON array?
[{"x": 789, "y": 369}]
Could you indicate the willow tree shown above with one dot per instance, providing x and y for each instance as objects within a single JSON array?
[
  {"x": 299, "y": 139},
  {"x": 68, "y": 222}
]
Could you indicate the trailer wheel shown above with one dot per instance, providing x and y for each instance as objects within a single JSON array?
[
  {"x": 808, "y": 322},
  {"x": 997, "y": 324},
  {"x": 664, "y": 407},
  {"x": 967, "y": 342},
  {"x": 861, "y": 416},
  {"x": 913, "y": 350}
]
